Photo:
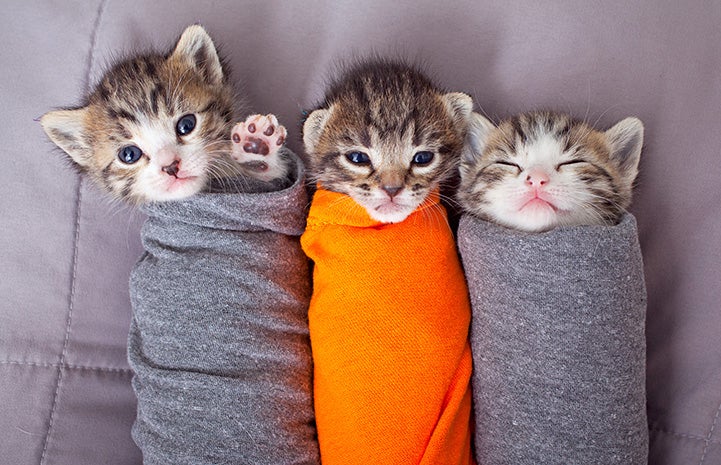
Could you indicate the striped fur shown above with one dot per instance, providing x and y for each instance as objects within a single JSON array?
[
  {"x": 139, "y": 102},
  {"x": 389, "y": 111},
  {"x": 540, "y": 170}
]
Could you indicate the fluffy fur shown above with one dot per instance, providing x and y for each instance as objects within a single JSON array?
[
  {"x": 387, "y": 136},
  {"x": 540, "y": 170},
  {"x": 140, "y": 103}
]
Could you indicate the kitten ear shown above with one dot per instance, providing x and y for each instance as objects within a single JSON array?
[
  {"x": 625, "y": 140},
  {"x": 313, "y": 128},
  {"x": 196, "y": 48},
  {"x": 479, "y": 129},
  {"x": 66, "y": 128},
  {"x": 459, "y": 105}
]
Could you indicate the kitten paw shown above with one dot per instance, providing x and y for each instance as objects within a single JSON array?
[{"x": 256, "y": 142}]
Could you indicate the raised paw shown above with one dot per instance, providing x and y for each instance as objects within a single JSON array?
[
  {"x": 255, "y": 146},
  {"x": 257, "y": 135}
]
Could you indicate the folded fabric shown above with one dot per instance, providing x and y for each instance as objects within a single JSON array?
[
  {"x": 219, "y": 338},
  {"x": 558, "y": 343},
  {"x": 389, "y": 322}
]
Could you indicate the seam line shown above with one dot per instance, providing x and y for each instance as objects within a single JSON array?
[
  {"x": 690, "y": 437},
  {"x": 78, "y": 204},
  {"x": 67, "y": 366},
  {"x": 710, "y": 435}
]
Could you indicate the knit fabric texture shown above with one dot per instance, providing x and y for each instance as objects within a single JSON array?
[
  {"x": 219, "y": 338},
  {"x": 558, "y": 343},
  {"x": 389, "y": 320}
]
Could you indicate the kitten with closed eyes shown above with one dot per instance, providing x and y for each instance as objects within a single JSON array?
[
  {"x": 540, "y": 170},
  {"x": 158, "y": 128},
  {"x": 555, "y": 276}
]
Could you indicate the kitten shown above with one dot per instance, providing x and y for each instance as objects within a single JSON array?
[
  {"x": 540, "y": 170},
  {"x": 386, "y": 136},
  {"x": 158, "y": 128},
  {"x": 389, "y": 311}
]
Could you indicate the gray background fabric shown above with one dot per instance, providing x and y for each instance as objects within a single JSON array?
[
  {"x": 67, "y": 252},
  {"x": 559, "y": 350},
  {"x": 219, "y": 340}
]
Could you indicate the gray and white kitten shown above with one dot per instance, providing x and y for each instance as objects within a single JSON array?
[
  {"x": 540, "y": 170},
  {"x": 387, "y": 136},
  {"x": 159, "y": 127}
]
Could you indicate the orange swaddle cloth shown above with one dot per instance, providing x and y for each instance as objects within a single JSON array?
[{"x": 389, "y": 320}]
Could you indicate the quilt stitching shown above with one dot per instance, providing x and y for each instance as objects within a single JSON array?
[
  {"x": 67, "y": 366},
  {"x": 708, "y": 439},
  {"x": 63, "y": 354},
  {"x": 71, "y": 303},
  {"x": 689, "y": 437}
]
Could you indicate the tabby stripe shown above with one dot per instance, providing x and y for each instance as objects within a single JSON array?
[
  {"x": 517, "y": 127},
  {"x": 106, "y": 170},
  {"x": 121, "y": 113},
  {"x": 154, "y": 97}
]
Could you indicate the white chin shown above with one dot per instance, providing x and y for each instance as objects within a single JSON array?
[
  {"x": 390, "y": 213},
  {"x": 180, "y": 189},
  {"x": 531, "y": 222}
]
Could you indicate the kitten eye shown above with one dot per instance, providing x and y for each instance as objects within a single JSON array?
[
  {"x": 185, "y": 125},
  {"x": 358, "y": 158},
  {"x": 130, "y": 154},
  {"x": 423, "y": 158},
  {"x": 569, "y": 162},
  {"x": 508, "y": 163}
]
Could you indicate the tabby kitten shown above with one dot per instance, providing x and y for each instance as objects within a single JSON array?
[
  {"x": 540, "y": 170},
  {"x": 157, "y": 128},
  {"x": 386, "y": 136}
]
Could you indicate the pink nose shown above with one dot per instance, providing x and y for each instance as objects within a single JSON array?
[{"x": 537, "y": 177}]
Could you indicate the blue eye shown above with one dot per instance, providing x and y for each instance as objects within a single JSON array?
[
  {"x": 185, "y": 125},
  {"x": 358, "y": 158},
  {"x": 130, "y": 154},
  {"x": 422, "y": 158}
]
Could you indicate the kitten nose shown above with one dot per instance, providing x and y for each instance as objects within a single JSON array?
[
  {"x": 537, "y": 177},
  {"x": 392, "y": 190},
  {"x": 173, "y": 168}
]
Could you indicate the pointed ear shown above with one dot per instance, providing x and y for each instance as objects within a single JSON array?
[
  {"x": 625, "y": 141},
  {"x": 479, "y": 129},
  {"x": 313, "y": 128},
  {"x": 196, "y": 48},
  {"x": 459, "y": 105},
  {"x": 66, "y": 128}
]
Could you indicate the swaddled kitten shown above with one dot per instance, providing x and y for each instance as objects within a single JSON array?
[
  {"x": 540, "y": 170},
  {"x": 389, "y": 307},
  {"x": 160, "y": 127},
  {"x": 386, "y": 136}
]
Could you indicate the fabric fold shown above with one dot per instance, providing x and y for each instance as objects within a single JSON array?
[
  {"x": 219, "y": 337},
  {"x": 389, "y": 320},
  {"x": 558, "y": 343}
]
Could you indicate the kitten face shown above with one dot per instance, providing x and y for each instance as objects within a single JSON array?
[
  {"x": 386, "y": 136},
  {"x": 541, "y": 170},
  {"x": 154, "y": 126}
]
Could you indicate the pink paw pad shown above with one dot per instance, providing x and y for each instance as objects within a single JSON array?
[{"x": 258, "y": 135}]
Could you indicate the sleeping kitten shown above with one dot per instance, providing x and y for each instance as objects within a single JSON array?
[
  {"x": 157, "y": 128},
  {"x": 386, "y": 136},
  {"x": 540, "y": 170}
]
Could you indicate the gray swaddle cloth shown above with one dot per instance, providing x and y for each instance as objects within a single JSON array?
[
  {"x": 219, "y": 338},
  {"x": 558, "y": 343}
]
